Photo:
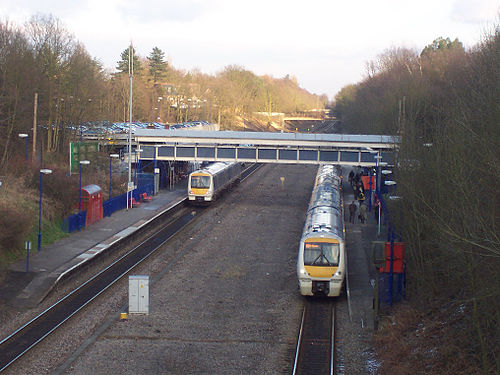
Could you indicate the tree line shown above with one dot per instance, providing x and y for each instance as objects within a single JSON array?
[
  {"x": 444, "y": 102},
  {"x": 42, "y": 57}
]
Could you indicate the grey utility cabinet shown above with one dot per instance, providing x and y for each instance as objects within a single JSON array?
[{"x": 138, "y": 294}]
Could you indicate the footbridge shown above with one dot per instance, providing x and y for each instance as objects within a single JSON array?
[{"x": 261, "y": 147}]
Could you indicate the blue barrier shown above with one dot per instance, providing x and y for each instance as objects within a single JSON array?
[
  {"x": 145, "y": 182},
  {"x": 391, "y": 287},
  {"x": 74, "y": 222},
  {"x": 114, "y": 204},
  {"x": 120, "y": 202},
  {"x": 145, "y": 179}
]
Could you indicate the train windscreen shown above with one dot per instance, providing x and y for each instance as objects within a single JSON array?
[
  {"x": 321, "y": 254},
  {"x": 200, "y": 182}
]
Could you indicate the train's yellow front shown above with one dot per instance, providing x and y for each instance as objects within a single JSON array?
[{"x": 200, "y": 187}]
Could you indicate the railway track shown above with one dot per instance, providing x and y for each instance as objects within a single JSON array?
[
  {"x": 315, "y": 352},
  {"x": 29, "y": 335}
]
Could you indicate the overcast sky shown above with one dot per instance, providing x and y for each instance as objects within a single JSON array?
[{"x": 324, "y": 43}]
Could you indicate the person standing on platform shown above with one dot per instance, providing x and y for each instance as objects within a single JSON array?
[{"x": 363, "y": 210}]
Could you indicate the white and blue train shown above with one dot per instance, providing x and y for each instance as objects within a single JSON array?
[
  {"x": 321, "y": 259},
  {"x": 206, "y": 184}
]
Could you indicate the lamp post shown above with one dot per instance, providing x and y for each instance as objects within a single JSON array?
[
  {"x": 23, "y": 135},
  {"x": 42, "y": 172},
  {"x": 85, "y": 162},
  {"x": 111, "y": 156}
]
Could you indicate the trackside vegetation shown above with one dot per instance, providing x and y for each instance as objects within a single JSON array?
[{"x": 444, "y": 103}]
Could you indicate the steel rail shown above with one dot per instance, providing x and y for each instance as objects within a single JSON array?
[
  {"x": 315, "y": 354},
  {"x": 299, "y": 340},
  {"x": 332, "y": 341}
]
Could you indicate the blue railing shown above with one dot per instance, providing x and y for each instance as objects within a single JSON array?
[
  {"x": 114, "y": 204},
  {"x": 74, "y": 222},
  {"x": 145, "y": 182}
]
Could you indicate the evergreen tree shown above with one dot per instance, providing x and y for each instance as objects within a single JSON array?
[
  {"x": 441, "y": 44},
  {"x": 157, "y": 64},
  {"x": 123, "y": 63}
]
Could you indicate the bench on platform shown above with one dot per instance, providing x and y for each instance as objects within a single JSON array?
[
  {"x": 145, "y": 197},
  {"x": 134, "y": 203}
]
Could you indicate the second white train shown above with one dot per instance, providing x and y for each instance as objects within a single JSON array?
[{"x": 206, "y": 184}]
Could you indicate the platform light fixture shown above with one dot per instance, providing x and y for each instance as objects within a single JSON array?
[
  {"x": 25, "y": 136},
  {"x": 394, "y": 197}
]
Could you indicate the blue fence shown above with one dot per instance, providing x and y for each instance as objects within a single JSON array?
[
  {"x": 114, "y": 204},
  {"x": 145, "y": 184},
  {"x": 74, "y": 222},
  {"x": 391, "y": 287},
  {"x": 120, "y": 202}
]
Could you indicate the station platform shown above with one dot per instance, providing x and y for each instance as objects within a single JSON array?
[{"x": 26, "y": 284}]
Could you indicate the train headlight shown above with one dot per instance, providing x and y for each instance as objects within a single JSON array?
[{"x": 303, "y": 273}]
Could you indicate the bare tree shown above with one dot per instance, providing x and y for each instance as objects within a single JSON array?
[{"x": 16, "y": 62}]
